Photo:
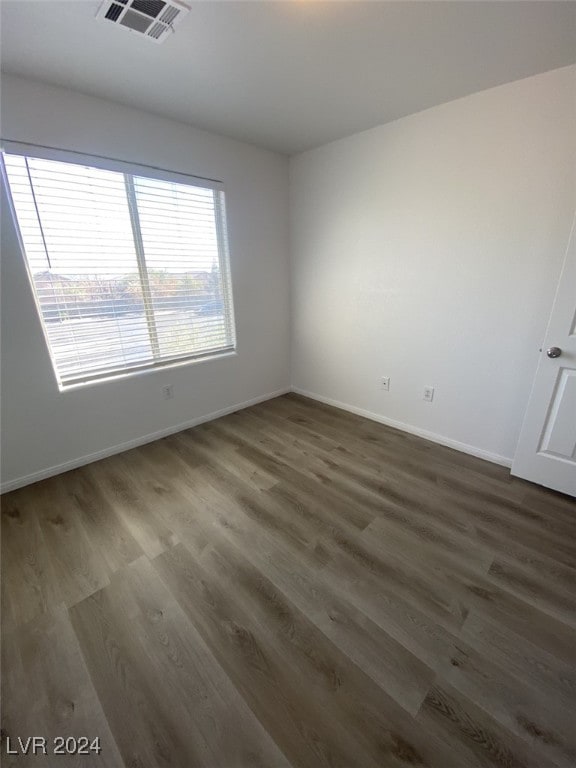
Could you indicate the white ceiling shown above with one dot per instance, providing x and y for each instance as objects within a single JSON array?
[{"x": 291, "y": 75}]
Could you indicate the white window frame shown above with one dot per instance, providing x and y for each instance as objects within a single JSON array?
[{"x": 151, "y": 172}]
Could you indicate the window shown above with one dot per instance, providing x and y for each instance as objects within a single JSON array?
[{"x": 129, "y": 266}]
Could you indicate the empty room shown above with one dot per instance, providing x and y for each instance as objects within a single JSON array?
[{"x": 288, "y": 383}]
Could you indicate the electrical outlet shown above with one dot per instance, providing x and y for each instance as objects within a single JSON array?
[
  {"x": 168, "y": 392},
  {"x": 385, "y": 383},
  {"x": 428, "y": 394}
]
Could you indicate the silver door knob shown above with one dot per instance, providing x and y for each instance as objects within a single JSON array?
[{"x": 554, "y": 352}]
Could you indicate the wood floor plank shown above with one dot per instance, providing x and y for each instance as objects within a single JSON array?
[
  {"x": 79, "y": 567},
  {"x": 104, "y": 527},
  {"x": 321, "y": 678},
  {"x": 415, "y": 629},
  {"x": 404, "y": 677},
  {"x": 505, "y": 590},
  {"x": 207, "y": 441},
  {"x": 541, "y": 720},
  {"x": 470, "y": 513},
  {"x": 245, "y": 525},
  {"x": 476, "y": 737},
  {"x": 415, "y": 539},
  {"x": 29, "y": 584},
  {"x": 153, "y": 735},
  {"x": 535, "y": 588},
  {"x": 519, "y": 654},
  {"x": 190, "y": 713},
  {"x": 514, "y": 615},
  {"x": 121, "y": 486},
  {"x": 535, "y": 562},
  {"x": 426, "y": 592},
  {"x": 375, "y": 433},
  {"x": 276, "y": 694},
  {"x": 214, "y": 491},
  {"x": 292, "y": 585},
  {"x": 540, "y": 499},
  {"x": 399, "y": 672},
  {"x": 47, "y": 692},
  {"x": 479, "y": 505}
]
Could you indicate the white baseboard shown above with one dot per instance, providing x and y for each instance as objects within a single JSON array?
[
  {"x": 480, "y": 453},
  {"x": 57, "y": 469}
]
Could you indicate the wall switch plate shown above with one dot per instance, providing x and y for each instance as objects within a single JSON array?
[
  {"x": 168, "y": 392},
  {"x": 385, "y": 383},
  {"x": 428, "y": 394}
]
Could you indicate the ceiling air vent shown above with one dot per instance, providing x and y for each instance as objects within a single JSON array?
[{"x": 155, "y": 19}]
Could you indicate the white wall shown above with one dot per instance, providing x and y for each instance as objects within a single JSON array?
[
  {"x": 428, "y": 250},
  {"x": 42, "y": 427}
]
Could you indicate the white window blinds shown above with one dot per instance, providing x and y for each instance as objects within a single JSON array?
[{"x": 129, "y": 270}]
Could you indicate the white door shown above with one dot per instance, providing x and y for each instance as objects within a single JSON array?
[{"x": 546, "y": 452}]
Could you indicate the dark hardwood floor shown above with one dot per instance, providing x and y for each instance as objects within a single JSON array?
[{"x": 291, "y": 585}]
